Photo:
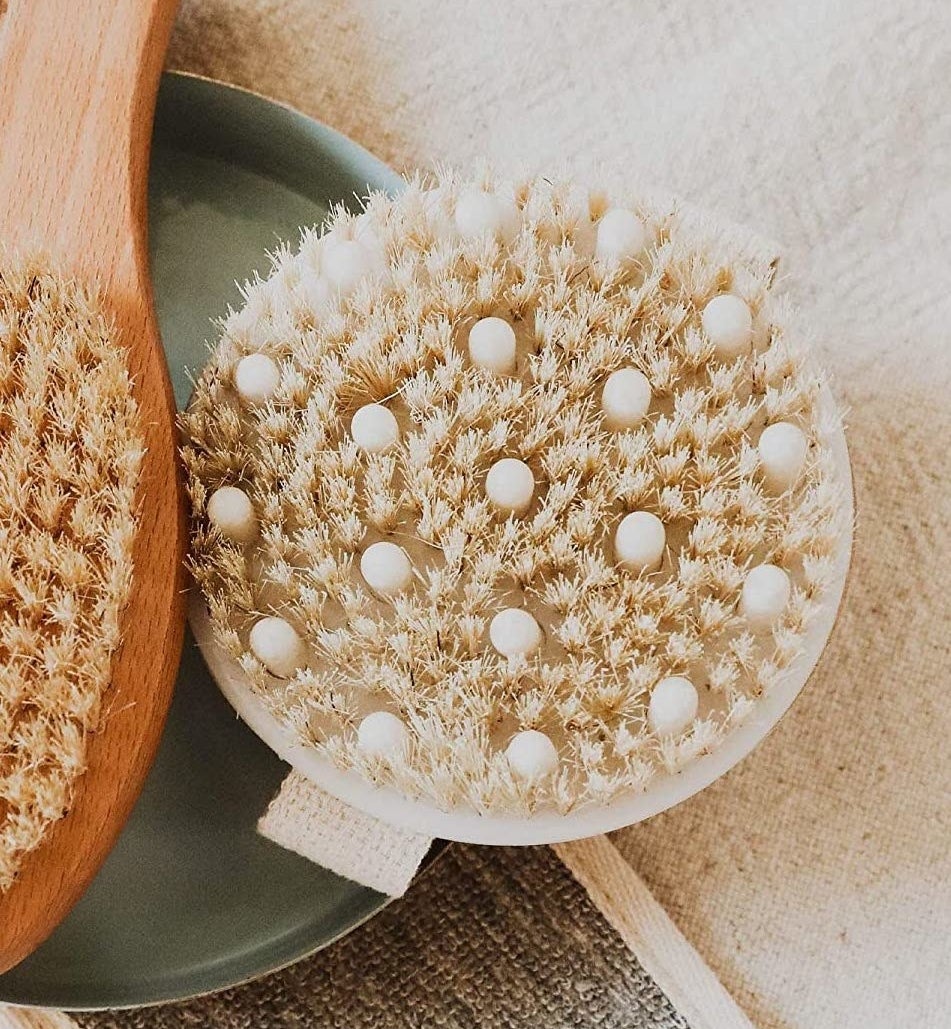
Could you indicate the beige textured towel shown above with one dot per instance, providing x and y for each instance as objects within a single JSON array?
[{"x": 814, "y": 878}]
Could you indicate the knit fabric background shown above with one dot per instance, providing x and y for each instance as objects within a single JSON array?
[{"x": 815, "y": 877}]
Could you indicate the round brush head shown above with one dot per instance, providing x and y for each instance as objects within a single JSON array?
[{"x": 537, "y": 498}]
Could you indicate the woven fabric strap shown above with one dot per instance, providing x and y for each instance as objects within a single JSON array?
[{"x": 312, "y": 823}]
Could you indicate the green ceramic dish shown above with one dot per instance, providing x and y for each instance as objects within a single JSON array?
[{"x": 192, "y": 900}]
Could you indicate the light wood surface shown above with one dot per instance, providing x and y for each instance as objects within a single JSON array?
[{"x": 77, "y": 89}]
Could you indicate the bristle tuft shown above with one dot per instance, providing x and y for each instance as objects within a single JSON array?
[{"x": 70, "y": 451}]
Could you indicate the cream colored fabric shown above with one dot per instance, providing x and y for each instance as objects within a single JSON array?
[
  {"x": 814, "y": 878},
  {"x": 312, "y": 823}
]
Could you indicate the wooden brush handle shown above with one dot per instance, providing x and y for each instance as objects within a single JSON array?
[
  {"x": 78, "y": 80},
  {"x": 77, "y": 89}
]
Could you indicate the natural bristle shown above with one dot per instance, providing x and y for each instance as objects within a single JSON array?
[
  {"x": 70, "y": 451},
  {"x": 611, "y": 527}
]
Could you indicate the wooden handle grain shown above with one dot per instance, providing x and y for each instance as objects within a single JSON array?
[
  {"x": 78, "y": 81},
  {"x": 77, "y": 89}
]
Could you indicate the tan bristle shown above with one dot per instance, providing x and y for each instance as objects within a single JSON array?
[
  {"x": 419, "y": 647},
  {"x": 70, "y": 451}
]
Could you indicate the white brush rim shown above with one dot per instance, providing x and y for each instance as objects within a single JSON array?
[{"x": 545, "y": 826}]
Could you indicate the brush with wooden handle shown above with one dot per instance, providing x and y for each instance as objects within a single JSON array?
[{"x": 91, "y": 520}]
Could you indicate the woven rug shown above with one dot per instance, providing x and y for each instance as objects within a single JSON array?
[{"x": 501, "y": 938}]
